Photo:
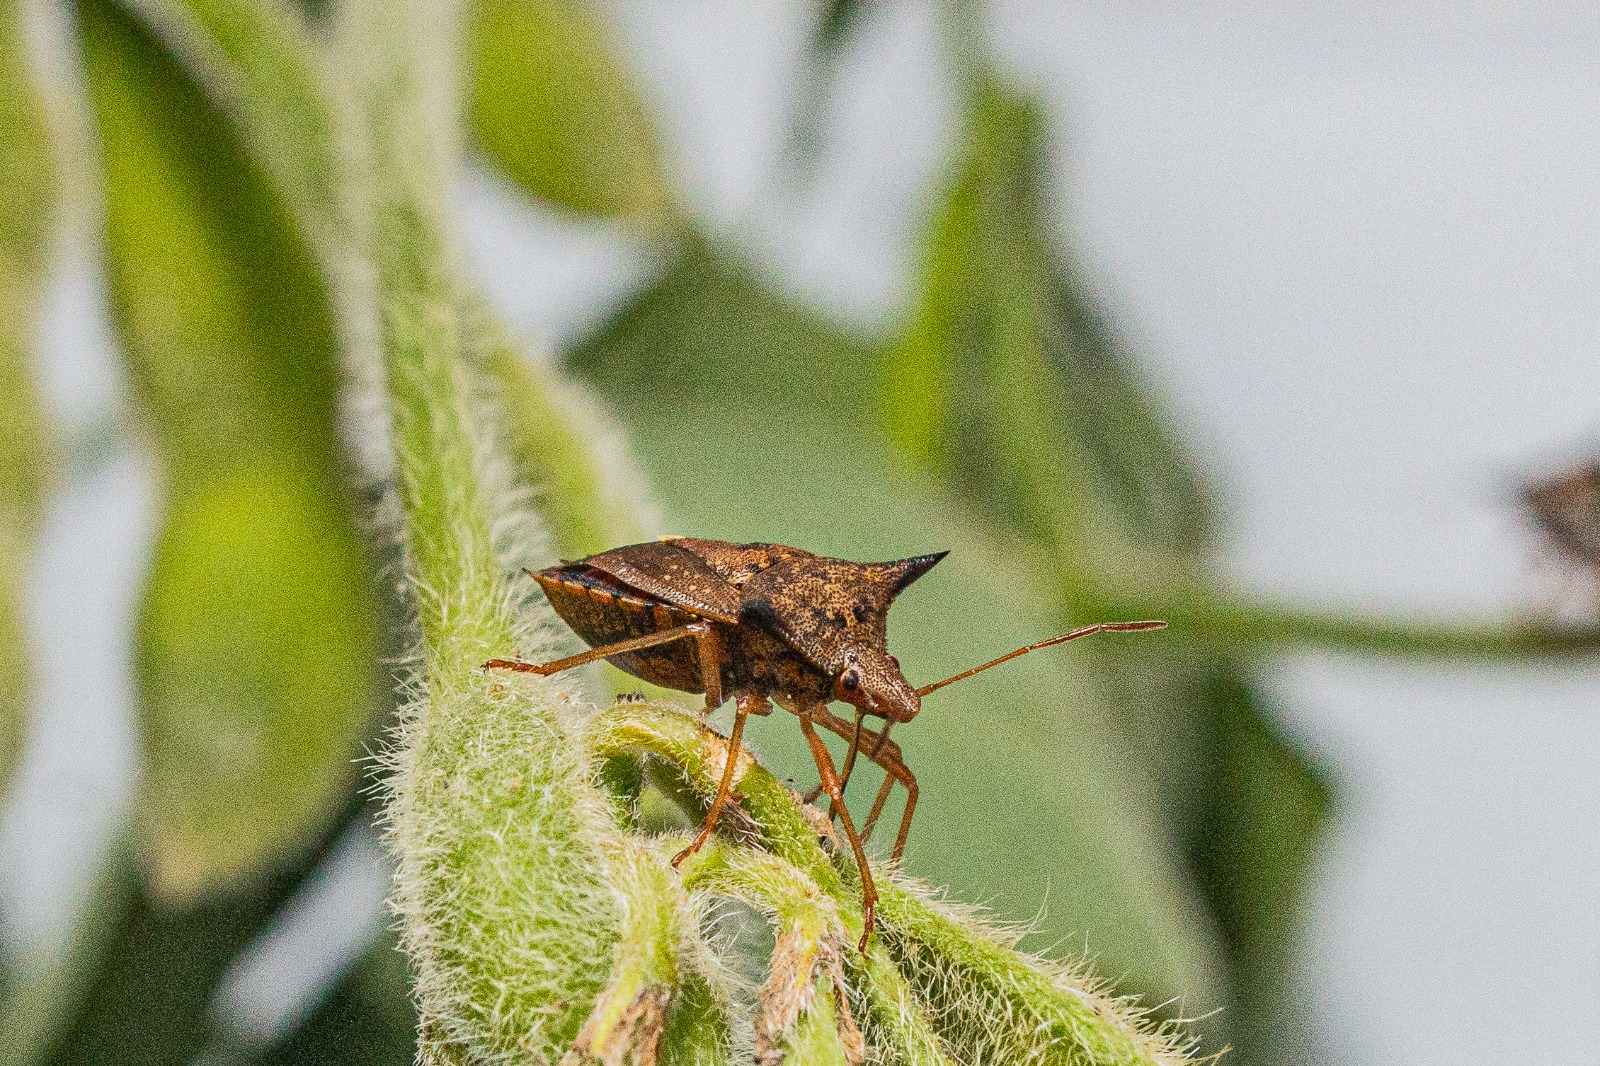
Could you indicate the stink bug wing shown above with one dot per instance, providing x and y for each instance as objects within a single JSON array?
[
  {"x": 738, "y": 563},
  {"x": 672, "y": 575}
]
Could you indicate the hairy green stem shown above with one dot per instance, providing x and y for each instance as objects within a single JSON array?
[
  {"x": 893, "y": 1020},
  {"x": 629, "y": 1016},
  {"x": 446, "y": 512},
  {"x": 803, "y": 1014},
  {"x": 508, "y": 878},
  {"x": 970, "y": 986},
  {"x": 664, "y": 730},
  {"x": 697, "y": 1032},
  {"x": 490, "y": 805},
  {"x": 1003, "y": 1006}
]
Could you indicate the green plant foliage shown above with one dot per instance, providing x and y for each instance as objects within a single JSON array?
[
  {"x": 148, "y": 996},
  {"x": 1023, "y": 402},
  {"x": 965, "y": 991},
  {"x": 552, "y": 103},
  {"x": 257, "y": 630},
  {"x": 366, "y": 1020},
  {"x": 1040, "y": 420},
  {"x": 1018, "y": 767},
  {"x": 1034, "y": 416},
  {"x": 1254, "y": 847},
  {"x": 27, "y": 202},
  {"x": 508, "y": 898},
  {"x": 295, "y": 687},
  {"x": 586, "y": 489}
]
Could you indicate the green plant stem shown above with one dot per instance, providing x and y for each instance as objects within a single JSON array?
[
  {"x": 588, "y": 492},
  {"x": 506, "y": 882},
  {"x": 630, "y": 1014},
  {"x": 802, "y": 1014},
  {"x": 1233, "y": 622},
  {"x": 446, "y": 513},
  {"x": 892, "y": 1017},
  {"x": 697, "y": 1029},
  {"x": 669, "y": 733},
  {"x": 1005, "y": 1006},
  {"x": 983, "y": 996}
]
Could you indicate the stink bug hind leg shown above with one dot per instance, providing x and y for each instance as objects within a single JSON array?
[{"x": 649, "y": 640}]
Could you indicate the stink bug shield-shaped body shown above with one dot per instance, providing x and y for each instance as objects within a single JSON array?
[{"x": 762, "y": 623}]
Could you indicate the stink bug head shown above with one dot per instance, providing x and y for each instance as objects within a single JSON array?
[
  {"x": 869, "y": 679},
  {"x": 856, "y": 653},
  {"x": 834, "y": 613}
]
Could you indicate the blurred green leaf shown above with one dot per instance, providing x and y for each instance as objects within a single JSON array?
[
  {"x": 260, "y": 66},
  {"x": 1024, "y": 400},
  {"x": 254, "y": 674},
  {"x": 589, "y": 495},
  {"x": 256, "y": 633},
  {"x": 1027, "y": 799},
  {"x": 148, "y": 1001},
  {"x": 1032, "y": 409},
  {"x": 367, "y": 1020},
  {"x": 27, "y": 210},
  {"x": 552, "y": 102},
  {"x": 1020, "y": 399},
  {"x": 1254, "y": 845}
]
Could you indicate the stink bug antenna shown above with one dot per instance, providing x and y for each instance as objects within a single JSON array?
[{"x": 1098, "y": 627}]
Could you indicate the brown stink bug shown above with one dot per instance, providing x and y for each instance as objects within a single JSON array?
[
  {"x": 762, "y": 622},
  {"x": 1566, "y": 507}
]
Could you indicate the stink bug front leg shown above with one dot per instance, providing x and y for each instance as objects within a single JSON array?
[
  {"x": 886, "y": 753},
  {"x": 830, "y": 782}
]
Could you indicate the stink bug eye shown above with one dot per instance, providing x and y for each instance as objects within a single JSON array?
[{"x": 847, "y": 686}]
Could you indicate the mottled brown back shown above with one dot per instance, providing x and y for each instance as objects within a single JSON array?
[
  {"x": 738, "y": 563},
  {"x": 822, "y": 606}
]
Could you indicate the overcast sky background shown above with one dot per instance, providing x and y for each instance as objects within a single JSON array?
[{"x": 1359, "y": 247}]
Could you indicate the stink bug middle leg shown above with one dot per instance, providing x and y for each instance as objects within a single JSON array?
[{"x": 748, "y": 703}]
